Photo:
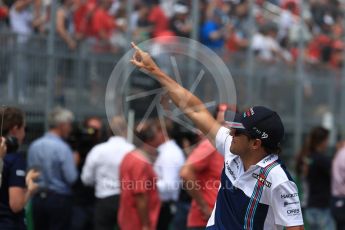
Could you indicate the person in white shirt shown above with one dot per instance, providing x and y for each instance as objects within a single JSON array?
[
  {"x": 250, "y": 197},
  {"x": 167, "y": 167},
  {"x": 101, "y": 170}
]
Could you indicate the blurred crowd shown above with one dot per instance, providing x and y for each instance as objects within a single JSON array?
[
  {"x": 320, "y": 174},
  {"x": 274, "y": 30},
  {"x": 92, "y": 177}
]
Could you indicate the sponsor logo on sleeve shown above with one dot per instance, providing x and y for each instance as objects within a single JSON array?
[
  {"x": 287, "y": 196},
  {"x": 293, "y": 212},
  {"x": 20, "y": 172},
  {"x": 290, "y": 203}
]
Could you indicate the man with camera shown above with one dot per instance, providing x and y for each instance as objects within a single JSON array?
[
  {"x": 15, "y": 190},
  {"x": 3, "y": 150}
]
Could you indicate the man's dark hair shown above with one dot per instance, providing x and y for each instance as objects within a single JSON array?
[
  {"x": 144, "y": 132},
  {"x": 12, "y": 117},
  {"x": 90, "y": 118},
  {"x": 269, "y": 150}
]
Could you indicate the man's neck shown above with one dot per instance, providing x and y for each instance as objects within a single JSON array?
[
  {"x": 252, "y": 159},
  {"x": 55, "y": 132}
]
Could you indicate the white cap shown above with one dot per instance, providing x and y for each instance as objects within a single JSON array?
[{"x": 180, "y": 9}]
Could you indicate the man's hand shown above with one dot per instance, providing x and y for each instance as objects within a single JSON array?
[
  {"x": 3, "y": 147},
  {"x": 188, "y": 103},
  {"x": 30, "y": 183},
  {"x": 143, "y": 60}
]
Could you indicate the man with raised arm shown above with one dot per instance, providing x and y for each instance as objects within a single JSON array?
[{"x": 256, "y": 190}]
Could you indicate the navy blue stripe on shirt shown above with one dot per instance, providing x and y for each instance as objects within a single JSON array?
[{"x": 231, "y": 208}]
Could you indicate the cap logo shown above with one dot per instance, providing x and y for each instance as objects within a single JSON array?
[
  {"x": 263, "y": 135},
  {"x": 248, "y": 113}
]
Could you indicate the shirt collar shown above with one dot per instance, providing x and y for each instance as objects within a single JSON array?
[
  {"x": 165, "y": 144},
  {"x": 53, "y": 135},
  {"x": 117, "y": 138},
  {"x": 267, "y": 160}
]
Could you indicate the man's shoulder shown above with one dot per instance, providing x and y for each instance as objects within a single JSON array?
[
  {"x": 204, "y": 148},
  {"x": 134, "y": 159},
  {"x": 111, "y": 145},
  {"x": 17, "y": 158},
  {"x": 169, "y": 147},
  {"x": 279, "y": 175},
  {"x": 49, "y": 144}
]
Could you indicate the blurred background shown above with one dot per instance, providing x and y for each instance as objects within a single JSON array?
[
  {"x": 284, "y": 54},
  {"x": 287, "y": 54}
]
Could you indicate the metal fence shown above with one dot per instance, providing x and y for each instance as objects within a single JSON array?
[{"x": 37, "y": 79}]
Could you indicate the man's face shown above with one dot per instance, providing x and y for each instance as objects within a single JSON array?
[
  {"x": 240, "y": 144},
  {"x": 19, "y": 133}
]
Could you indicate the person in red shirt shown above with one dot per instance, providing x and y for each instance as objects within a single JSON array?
[
  {"x": 202, "y": 174},
  {"x": 82, "y": 17},
  {"x": 103, "y": 25},
  {"x": 139, "y": 200},
  {"x": 158, "y": 19}
]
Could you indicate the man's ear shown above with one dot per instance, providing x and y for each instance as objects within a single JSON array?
[
  {"x": 13, "y": 130},
  {"x": 257, "y": 143}
]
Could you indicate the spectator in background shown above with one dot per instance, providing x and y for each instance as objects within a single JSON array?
[
  {"x": 241, "y": 26},
  {"x": 65, "y": 30},
  {"x": 65, "y": 24},
  {"x": 15, "y": 191},
  {"x": 337, "y": 56},
  {"x": 318, "y": 175},
  {"x": 158, "y": 19},
  {"x": 103, "y": 26},
  {"x": 265, "y": 45},
  {"x": 22, "y": 23},
  {"x": 50, "y": 154},
  {"x": 167, "y": 166},
  {"x": 139, "y": 24},
  {"x": 180, "y": 23},
  {"x": 287, "y": 20},
  {"x": 95, "y": 123},
  {"x": 101, "y": 170},
  {"x": 139, "y": 195},
  {"x": 204, "y": 164},
  {"x": 187, "y": 140},
  {"x": 214, "y": 32},
  {"x": 22, "y": 20},
  {"x": 82, "y": 18},
  {"x": 3, "y": 150},
  {"x": 83, "y": 196},
  {"x": 338, "y": 188},
  {"x": 4, "y": 11}
]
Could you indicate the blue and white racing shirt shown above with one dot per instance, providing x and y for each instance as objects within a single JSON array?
[{"x": 263, "y": 197}]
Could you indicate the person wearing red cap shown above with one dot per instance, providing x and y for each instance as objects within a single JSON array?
[{"x": 256, "y": 191}]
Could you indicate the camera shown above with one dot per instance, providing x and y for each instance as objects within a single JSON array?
[
  {"x": 82, "y": 139},
  {"x": 12, "y": 144}
]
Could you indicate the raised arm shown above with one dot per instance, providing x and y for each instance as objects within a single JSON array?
[{"x": 189, "y": 104}]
